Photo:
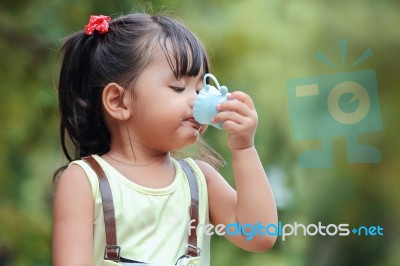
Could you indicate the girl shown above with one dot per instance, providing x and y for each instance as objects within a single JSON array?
[{"x": 126, "y": 93}]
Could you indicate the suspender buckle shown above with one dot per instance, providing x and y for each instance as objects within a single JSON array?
[
  {"x": 112, "y": 252},
  {"x": 192, "y": 251}
]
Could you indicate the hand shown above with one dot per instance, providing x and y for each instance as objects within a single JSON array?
[{"x": 239, "y": 118}]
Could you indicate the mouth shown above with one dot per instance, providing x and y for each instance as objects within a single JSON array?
[{"x": 193, "y": 123}]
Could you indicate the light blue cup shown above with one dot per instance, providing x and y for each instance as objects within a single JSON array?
[{"x": 205, "y": 104}]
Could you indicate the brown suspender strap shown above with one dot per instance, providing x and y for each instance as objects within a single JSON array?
[
  {"x": 192, "y": 250},
  {"x": 112, "y": 251}
]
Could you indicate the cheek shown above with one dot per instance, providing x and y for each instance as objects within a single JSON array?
[
  {"x": 164, "y": 108},
  {"x": 158, "y": 117}
]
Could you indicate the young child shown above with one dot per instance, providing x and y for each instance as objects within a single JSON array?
[{"x": 126, "y": 93}]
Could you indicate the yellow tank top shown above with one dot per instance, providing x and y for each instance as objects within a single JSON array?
[{"x": 152, "y": 224}]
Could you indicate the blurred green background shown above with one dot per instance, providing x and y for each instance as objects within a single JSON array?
[{"x": 255, "y": 46}]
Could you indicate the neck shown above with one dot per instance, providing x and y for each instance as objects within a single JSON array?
[
  {"x": 126, "y": 150},
  {"x": 162, "y": 159},
  {"x": 137, "y": 156}
]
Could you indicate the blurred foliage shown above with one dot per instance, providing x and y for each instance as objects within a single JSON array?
[{"x": 255, "y": 46}]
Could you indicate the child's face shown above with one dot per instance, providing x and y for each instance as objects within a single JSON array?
[{"x": 163, "y": 115}]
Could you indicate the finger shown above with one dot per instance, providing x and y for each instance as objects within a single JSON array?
[
  {"x": 229, "y": 116},
  {"x": 231, "y": 126},
  {"x": 235, "y": 106},
  {"x": 243, "y": 97}
]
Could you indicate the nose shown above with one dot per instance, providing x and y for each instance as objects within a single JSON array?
[
  {"x": 192, "y": 99},
  {"x": 191, "y": 103}
]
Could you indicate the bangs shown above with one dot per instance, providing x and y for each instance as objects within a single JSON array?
[{"x": 184, "y": 52}]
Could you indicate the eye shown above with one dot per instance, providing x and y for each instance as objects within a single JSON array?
[{"x": 178, "y": 89}]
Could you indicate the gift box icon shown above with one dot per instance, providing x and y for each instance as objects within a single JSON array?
[{"x": 333, "y": 105}]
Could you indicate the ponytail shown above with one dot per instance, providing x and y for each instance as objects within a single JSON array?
[{"x": 79, "y": 90}]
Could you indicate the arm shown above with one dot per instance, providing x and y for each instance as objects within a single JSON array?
[
  {"x": 73, "y": 219},
  {"x": 253, "y": 201}
]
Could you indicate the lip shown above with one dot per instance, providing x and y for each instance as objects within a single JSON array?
[{"x": 193, "y": 123}]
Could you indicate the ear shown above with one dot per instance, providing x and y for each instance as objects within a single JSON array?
[{"x": 115, "y": 103}]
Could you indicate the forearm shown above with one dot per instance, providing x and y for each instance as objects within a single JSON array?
[{"x": 255, "y": 201}]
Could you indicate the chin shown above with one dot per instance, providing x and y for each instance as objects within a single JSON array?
[{"x": 188, "y": 142}]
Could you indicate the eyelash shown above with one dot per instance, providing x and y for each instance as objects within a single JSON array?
[
  {"x": 178, "y": 89},
  {"x": 181, "y": 89}
]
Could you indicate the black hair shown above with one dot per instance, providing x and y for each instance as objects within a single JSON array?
[{"x": 90, "y": 62}]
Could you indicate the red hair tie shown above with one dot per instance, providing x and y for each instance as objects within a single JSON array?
[{"x": 99, "y": 23}]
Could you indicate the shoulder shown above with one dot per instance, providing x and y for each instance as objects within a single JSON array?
[
  {"x": 74, "y": 172},
  {"x": 218, "y": 188},
  {"x": 208, "y": 171},
  {"x": 215, "y": 181},
  {"x": 73, "y": 195},
  {"x": 74, "y": 184},
  {"x": 72, "y": 181}
]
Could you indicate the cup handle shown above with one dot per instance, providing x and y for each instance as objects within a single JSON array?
[{"x": 213, "y": 78}]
